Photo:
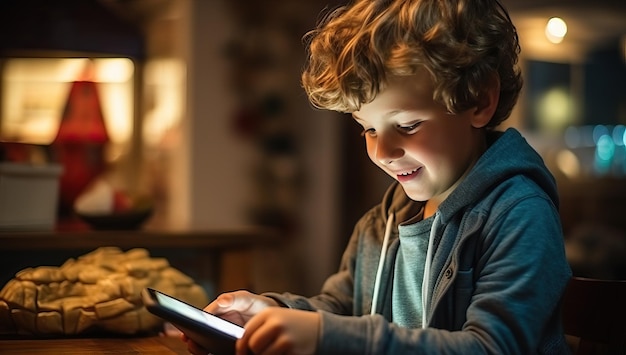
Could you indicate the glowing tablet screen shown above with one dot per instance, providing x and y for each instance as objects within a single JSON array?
[{"x": 200, "y": 316}]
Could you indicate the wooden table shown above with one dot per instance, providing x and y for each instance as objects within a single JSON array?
[{"x": 77, "y": 346}]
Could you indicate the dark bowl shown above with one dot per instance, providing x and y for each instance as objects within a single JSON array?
[{"x": 129, "y": 220}]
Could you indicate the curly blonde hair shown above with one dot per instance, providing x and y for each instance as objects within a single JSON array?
[{"x": 463, "y": 44}]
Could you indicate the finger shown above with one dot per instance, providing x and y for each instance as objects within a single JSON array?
[
  {"x": 265, "y": 341},
  {"x": 263, "y": 333},
  {"x": 222, "y": 301},
  {"x": 279, "y": 345},
  {"x": 238, "y": 301},
  {"x": 242, "y": 345}
]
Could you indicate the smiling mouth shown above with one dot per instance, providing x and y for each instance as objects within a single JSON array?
[{"x": 409, "y": 173}]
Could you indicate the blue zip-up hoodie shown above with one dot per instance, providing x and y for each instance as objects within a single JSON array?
[{"x": 494, "y": 276}]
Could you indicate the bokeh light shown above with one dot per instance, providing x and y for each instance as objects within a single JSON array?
[{"x": 556, "y": 29}]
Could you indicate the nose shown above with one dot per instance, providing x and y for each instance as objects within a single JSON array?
[{"x": 387, "y": 148}]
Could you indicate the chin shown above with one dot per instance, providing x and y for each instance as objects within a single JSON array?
[{"x": 414, "y": 195}]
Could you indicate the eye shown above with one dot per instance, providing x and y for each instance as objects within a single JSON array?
[
  {"x": 368, "y": 132},
  {"x": 410, "y": 128}
]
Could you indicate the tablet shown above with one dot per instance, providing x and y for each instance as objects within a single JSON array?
[{"x": 213, "y": 333}]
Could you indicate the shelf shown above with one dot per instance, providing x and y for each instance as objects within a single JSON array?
[{"x": 214, "y": 239}]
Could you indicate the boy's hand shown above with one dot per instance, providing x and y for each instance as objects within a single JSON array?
[
  {"x": 239, "y": 306},
  {"x": 281, "y": 331}
]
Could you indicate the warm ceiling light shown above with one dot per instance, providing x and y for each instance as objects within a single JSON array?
[{"x": 556, "y": 30}]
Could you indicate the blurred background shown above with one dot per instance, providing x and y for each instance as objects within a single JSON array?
[{"x": 204, "y": 113}]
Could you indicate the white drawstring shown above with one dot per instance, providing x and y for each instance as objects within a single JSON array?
[{"x": 381, "y": 262}]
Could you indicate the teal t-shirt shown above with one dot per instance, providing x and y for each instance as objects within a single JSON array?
[{"x": 406, "y": 294}]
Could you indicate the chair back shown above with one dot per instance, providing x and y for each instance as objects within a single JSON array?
[{"x": 594, "y": 311}]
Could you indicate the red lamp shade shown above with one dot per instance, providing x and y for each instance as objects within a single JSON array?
[
  {"x": 80, "y": 141},
  {"x": 82, "y": 117}
]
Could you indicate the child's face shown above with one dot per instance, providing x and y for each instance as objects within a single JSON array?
[{"x": 417, "y": 142}]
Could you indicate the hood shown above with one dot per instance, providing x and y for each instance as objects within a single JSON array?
[{"x": 508, "y": 155}]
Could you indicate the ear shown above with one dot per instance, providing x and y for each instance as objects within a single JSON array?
[{"x": 487, "y": 103}]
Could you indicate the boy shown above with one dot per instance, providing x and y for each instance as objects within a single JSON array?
[{"x": 465, "y": 252}]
